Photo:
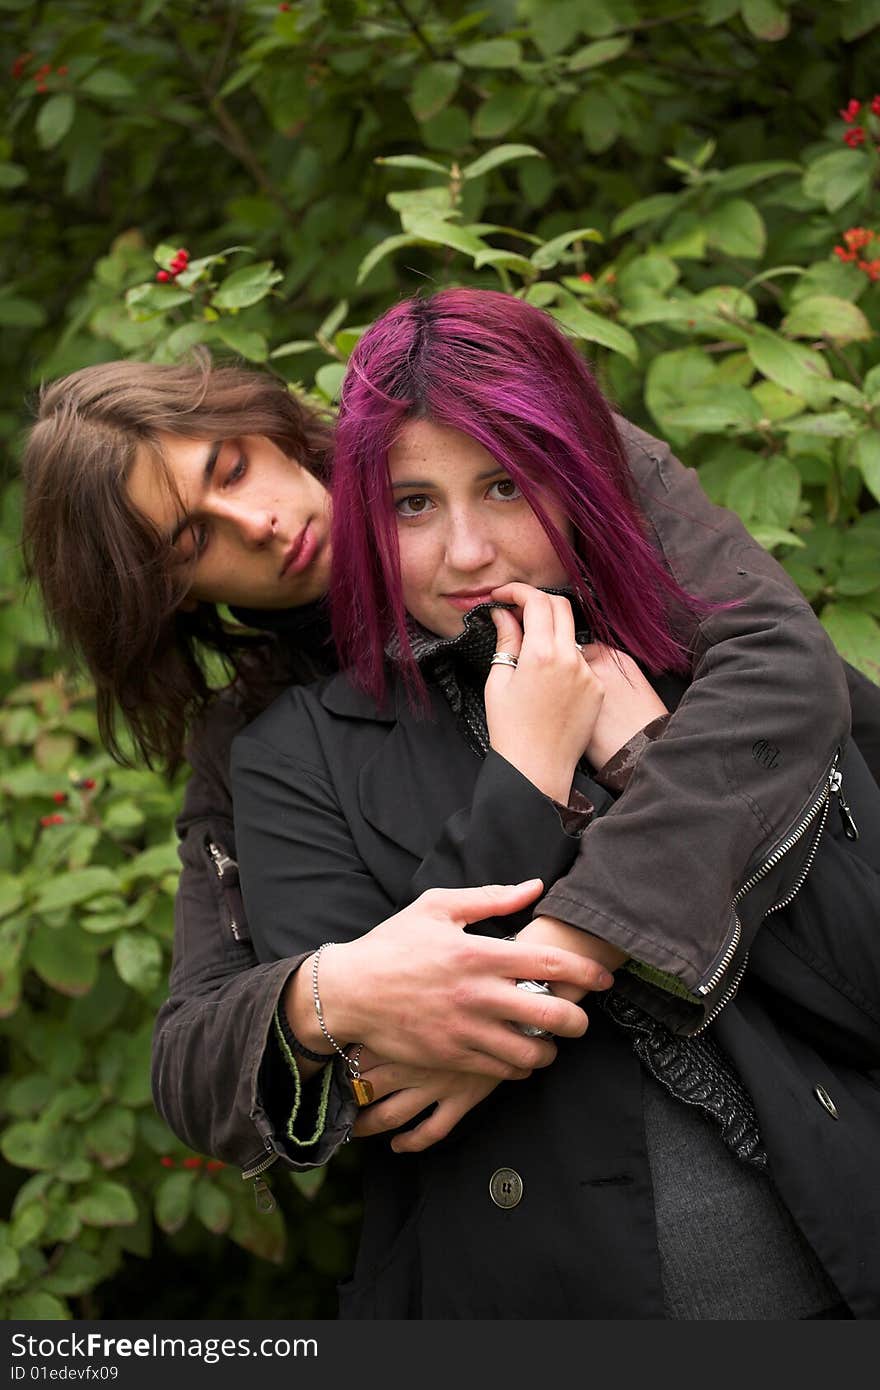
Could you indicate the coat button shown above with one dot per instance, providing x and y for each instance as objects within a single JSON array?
[
  {"x": 505, "y": 1187},
  {"x": 823, "y": 1098}
]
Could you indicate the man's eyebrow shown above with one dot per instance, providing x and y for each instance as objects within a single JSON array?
[
  {"x": 207, "y": 475},
  {"x": 429, "y": 483}
]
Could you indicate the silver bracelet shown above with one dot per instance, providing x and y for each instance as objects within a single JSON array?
[{"x": 363, "y": 1090}]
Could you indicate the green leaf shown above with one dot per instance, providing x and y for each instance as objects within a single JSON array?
[
  {"x": 592, "y": 328},
  {"x": 765, "y": 19},
  {"x": 154, "y": 863},
  {"x": 720, "y": 408},
  {"x": 736, "y": 228},
  {"x": 12, "y": 176},
  {"x": 294, "y": 348},
  {"x": 503, "y": 110},
  {"x": 490, "y": 53},
  {"x": 106, "y": 1204},
  {"x": 826, "y": 316},
  {"x": 835, "y": 178},
  {"x": 173, "y": 1200},
  {"x": 138, "y": 960},
  {"x": 379, "y": 253},
  {"x": 856, "y": 636},
  {"x": 36, "y": 1307},
  {"x": 107, "y": 82},
  {"x": 63, "y": 957},
  {"x": 433, "y": 88},
  {"x": 11, "y": 894},
  {"x": 147, "y": 301},
  {"x": 746, "y": 175},
  {"x": 247, "y": 342},
  {"x": 110, "y": 1136},
  {"x": 77, "y": 1272},
  {"x": 555, "y": 23},
  {"x": 835, "y": 424},
  {"x": 412, "y": 161},
  {"x": 768, "y": 491},
  {"x": 75, "y": 887},
  {"x": 598, "y": 119},
  {"x": 797, "y": 369},
  {"x": 867, "y": 456},
  {"x": 653, "y": 209},
  {"x": 32, "y": 1144},
  {"x": 335, "y": 319},
  {"x": 506, "y": 260},
  {"x": 594, "y": 55},
  {"x": 552, "y": 252},
  {"x": 55, "y": 119},
  {"x": 439, "y": 233},
  {"x": 859, "y": 17},
  {"x": 212, "y": 1207},
  {"x": 502, "y": 154},
  {"x": 246, "y": 286},
  {"x": 329, "y": 379},
  {"x": 9, "y": 1265}
]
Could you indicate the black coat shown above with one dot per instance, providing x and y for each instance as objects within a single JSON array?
[{"x": 347, "y": 813}]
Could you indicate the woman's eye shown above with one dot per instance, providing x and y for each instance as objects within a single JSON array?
[
  {"x": 506, "y": 489},
  {"x": 416, "y": 505},
  {"x": 199, "y": 532}
]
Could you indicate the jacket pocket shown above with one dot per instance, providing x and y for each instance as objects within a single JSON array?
[
  {"x": 223, "y": 869},
  {"x": 391, "y": 1286}
]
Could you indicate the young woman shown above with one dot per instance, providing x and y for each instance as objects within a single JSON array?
[
  {"x": 134, "y": 592},
  {"x": 476, "y": 464}
]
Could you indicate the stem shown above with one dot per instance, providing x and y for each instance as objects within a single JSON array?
[{"x": 416, "y": 29}]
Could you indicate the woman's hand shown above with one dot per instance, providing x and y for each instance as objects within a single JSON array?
[
  {"x": 541, "y": 714},
  {"x": 630, "y": 702},
  {"x": 402, "y": 1092}
]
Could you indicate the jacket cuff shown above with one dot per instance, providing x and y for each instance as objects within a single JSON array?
[
  {"x": 576, "y": 816},
  {"x": 615, "y": 774}
]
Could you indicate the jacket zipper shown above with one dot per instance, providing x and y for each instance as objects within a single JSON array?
[
  {"x": 222, "y": 864},
  {"x": 819, "y": 808},
  {"x": 263, "y": 1198}
]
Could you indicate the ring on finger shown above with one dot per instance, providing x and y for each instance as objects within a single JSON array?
[
  {"x": 530, "y": 1030},
  {"x": 504, "y": 659}
]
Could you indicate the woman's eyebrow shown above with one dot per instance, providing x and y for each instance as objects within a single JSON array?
[
  {"x": 207, "y": 474},
  {"x": 428, "y": 483}
]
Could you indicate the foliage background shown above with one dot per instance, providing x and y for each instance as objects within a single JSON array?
[{"x": 670, "y": 179}]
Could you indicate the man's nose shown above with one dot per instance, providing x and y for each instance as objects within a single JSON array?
[{"x": 255, "y": 525}]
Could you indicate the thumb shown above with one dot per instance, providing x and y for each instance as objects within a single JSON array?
[
  {"x": 509, "y": 631},
  {"x": 466, "y": 905}
]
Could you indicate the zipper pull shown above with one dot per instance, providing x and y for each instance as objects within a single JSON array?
[
  {"x": 850, "y": 829},
  {"x": 265, "y": 1202},
  {"x": 222, "y": 861}
]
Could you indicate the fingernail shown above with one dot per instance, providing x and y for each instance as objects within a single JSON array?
[{"x": 605, "y": 980}]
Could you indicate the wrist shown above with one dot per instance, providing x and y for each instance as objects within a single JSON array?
[
  {"x": 552, "y": 781},
  {"x": 299, "y": 1003}
]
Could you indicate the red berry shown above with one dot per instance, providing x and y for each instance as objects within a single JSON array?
[
  {"x": 192, "y": 1163},
  {"x": 63, "y": 70},
  {"x": 875, "y": 104},
  {"x": 162, "y": 276},
  {"x": 88, "y": 784},
  {"x": 586, "y": 277},
  {"x": 854, "y": 137},
  {"x": 214, "y": 1164},
  {"x": 59, "y": 798},
  {"x": 284, "y": 8},
  {"x": 54, "y": 819},
  {"x": 844, "y": 255},
  {"x": 851, "y": 110},
  {"x": 41, "y": 87},
  {"x": 20, "y": 64},
  {"x": 167, "y": 1162},
  {"x": 44, "y": 70}
]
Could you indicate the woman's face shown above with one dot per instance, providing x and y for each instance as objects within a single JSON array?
[
  {"x": 254, "y": 524},
  {"x": 463, "y": 526}
]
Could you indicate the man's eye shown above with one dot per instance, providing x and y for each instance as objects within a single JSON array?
[
  {"x": 238, "y": 470},
  {"x": 416, "y": 505},
  {"x": 506, "y": 489},
  {"x": 199, "y": 532}
]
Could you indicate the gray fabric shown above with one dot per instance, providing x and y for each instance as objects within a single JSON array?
[{"x": 728, "y": 1247}]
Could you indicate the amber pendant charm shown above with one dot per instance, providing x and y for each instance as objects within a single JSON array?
[{"x": 363, "y": 1090}]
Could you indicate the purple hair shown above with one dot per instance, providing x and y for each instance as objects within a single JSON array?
[{"x": 502, "y": 372}]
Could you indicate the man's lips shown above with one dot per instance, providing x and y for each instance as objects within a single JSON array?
[{"x": 301, "y": 553}]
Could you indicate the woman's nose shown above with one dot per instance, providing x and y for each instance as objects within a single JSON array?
[
  {"x": 256, "y": 526},
  {"x": 469, "y": 544}
]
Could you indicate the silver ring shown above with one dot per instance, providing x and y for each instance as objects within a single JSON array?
[
  {"x": 529, "y": 1030},
  {"x": 504, "y": 659}
]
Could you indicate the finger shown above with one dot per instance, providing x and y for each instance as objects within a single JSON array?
[
  {"x": 392, "y": 1112},
  {"x": 547, "y": 1011},
  {"x": 521, "y": 960},
  {"x": 388, "y": 1077},
  {"x": 563, "y": 619},
  {"x": 437, "y": 1126},
  {"x": 510, "y": 633},
  {"x": 465, "y": 905}
]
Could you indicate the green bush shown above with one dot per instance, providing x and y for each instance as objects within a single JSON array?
[{"x": 316, "y": 160}]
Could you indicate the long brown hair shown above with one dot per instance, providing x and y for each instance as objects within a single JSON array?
[{"x": 106, "y": 574}]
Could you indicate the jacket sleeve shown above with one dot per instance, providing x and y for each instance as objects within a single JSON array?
[
  {"x": 215, "y": 1079},
  {"x": 748, "y": 748}
]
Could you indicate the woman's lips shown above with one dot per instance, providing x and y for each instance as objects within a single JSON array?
[
  {"x": 464, "y": 602},
  {"x": 301, "y": 553}
]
